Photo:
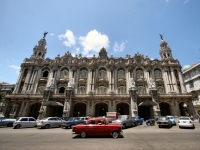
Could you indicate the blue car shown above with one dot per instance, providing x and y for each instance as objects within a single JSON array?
[
  {"x": 171, "y": 118},
  {"x": 138, "y": 119}
]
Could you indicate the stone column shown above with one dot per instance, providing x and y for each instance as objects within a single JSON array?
[
  {"x": 26, "y": 109},
  {"x": 174, "y": 83},
  {"x": 181, "y": 82},
  {"x": 191, "y": 109},
  {"x": 27, "y": 80},
  {"x": 134, "y": 105},
  {"x": 164, "y": 75}
]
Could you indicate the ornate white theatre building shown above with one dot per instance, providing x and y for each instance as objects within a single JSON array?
[{"x": 92, "y": 86}]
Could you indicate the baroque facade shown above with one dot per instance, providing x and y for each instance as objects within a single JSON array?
[
  {"x": 191, "y": 77},
  {"x": 92, "y": 86}
]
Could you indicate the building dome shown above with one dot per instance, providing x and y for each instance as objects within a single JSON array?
[{"x": 186, "y": 67}]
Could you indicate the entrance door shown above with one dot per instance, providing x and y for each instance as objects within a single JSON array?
[{"x": 144, "y": 112}]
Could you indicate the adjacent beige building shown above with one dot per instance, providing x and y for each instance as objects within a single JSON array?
[
  {"x": 91, "y": 86},
  {"x": 191, "y": 77}
]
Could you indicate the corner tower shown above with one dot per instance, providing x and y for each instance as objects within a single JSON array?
[
  {"x": 165, "y": 51},
  {"x": 39, "y": 50}
]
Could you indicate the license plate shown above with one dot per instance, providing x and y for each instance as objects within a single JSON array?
[{"x": 184, "y": 121}]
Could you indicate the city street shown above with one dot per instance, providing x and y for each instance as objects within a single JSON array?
[{"x": 140, "y": 138}]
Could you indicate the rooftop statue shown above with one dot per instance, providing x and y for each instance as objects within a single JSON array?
[
  {"x": 161, "y": 36},
  {"x": 45, "y": 33}
]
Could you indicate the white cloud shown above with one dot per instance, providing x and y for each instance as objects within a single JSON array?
[
  {"x": 17, "y": 68},
  {"x": 119, "y": 47},
  {"x": 166, "y": 1},
  {"x": 68, "y": 37},
  {"x": 93, "y": 42},
  {"x": 51, "y": 34},
  {"x": 186, "y": 1},
  {"x": 77, "y": 51}
]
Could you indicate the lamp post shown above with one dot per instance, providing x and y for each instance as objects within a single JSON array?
[{"x": 78, "y": 113}]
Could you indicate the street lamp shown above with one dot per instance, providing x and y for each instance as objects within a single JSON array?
[{"x": 78, "y": 113}]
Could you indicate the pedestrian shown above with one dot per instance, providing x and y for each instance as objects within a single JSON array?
[{"x": 192, "y": 118}]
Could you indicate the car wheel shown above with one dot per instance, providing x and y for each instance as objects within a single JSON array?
[
  {"x": 159, "y": 126},
  {"x": 115, "y": 134},
  {"x": 17, "y": 126},
  {"x": 124, "y": 126},
  {"x": 83, "y": 134},
  {"x": 66, "y": 127},
  {"x": 193, "y": 127},
  {"x": 141, "y": 123},
  {"x": 179, "y": 127},
  {"x": 47, "y": 126},
  {"x": 9, "y": 125}
]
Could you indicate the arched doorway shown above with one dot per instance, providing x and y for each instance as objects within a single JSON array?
[
  {"x": 79, "y": 110},
  {"x": 123, "y": 108},
  {"x": 164, "y": 109},
  {"x": 34, "y": 110},
  {"x": 54, "y": 111},
  {"x": 101, "y": 109},
  {"x": 183, "y": 109}
]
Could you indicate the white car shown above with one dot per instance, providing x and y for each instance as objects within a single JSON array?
[
  {"x": 25, "y": 122},
  {"x": 185, "y": 121},
  {"x": 49, "y": 122}
]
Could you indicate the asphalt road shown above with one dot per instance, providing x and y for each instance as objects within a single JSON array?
[{"x": 136, "y": 138}]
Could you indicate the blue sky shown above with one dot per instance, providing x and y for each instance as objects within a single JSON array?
[{"x": 84, "y": 26}]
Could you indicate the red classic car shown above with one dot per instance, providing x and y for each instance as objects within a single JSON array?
[{"x": 97, "y": 126}]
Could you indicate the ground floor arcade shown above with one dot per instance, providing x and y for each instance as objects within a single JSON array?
[{"x": 95, "y": 108}]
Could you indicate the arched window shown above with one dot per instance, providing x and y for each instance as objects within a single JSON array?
[
  {"x": 83, "y": 73},
  {"x": 64, "y": 73},
  {"x": 101, "y": 90},
  {"x": 62, "y": 90},
  {"x": 45, "y": 74},
  {"x": 25, "y": 73},
  {"x": 141, "y": 90},
  {"x": 121, "y": 90},
  {"x": 158, "y": 74},
  {"x": 81, "y": 89},
  {"x": 139, "y": 74},
  {"x": 121, "y": 73},
  {"x": 161, "y": 89},
  {"x": 102, "y": 73}
]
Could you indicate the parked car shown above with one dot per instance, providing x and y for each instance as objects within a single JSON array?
[
  {"x": 172, "y": 120},
  {"x": 25, "y": 122},
  {"x": 164, "y": 121},
  {"x": 125, "y": 121},
  {"x": 8, "y": 122},
  {"x": 74, "y": 121},
  {"x": 138, "y": 119},
  {"x": 97, "y": 126},
  {"x": 65, "y": 118},
  {"x": 49, "y": 122},
  {"x": 185, "y": 121}
]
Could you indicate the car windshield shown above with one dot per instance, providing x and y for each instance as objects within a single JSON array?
[
  {"x": 163, "y": 118},
  {"x": 185, "y": 118},
  {"x": 122, "y": 117}
]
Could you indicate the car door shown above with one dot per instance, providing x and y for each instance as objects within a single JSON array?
[
  {"x": 32, "y": 122},
  {"x": 58, "y": 122},
  {"x": 51, "y": 122},
  {"x": 101, "y": 128},
  {"x": 2, "y": 121},
  {"x": 91, "y": 127},
  {"x": 24, "y": 122}
]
